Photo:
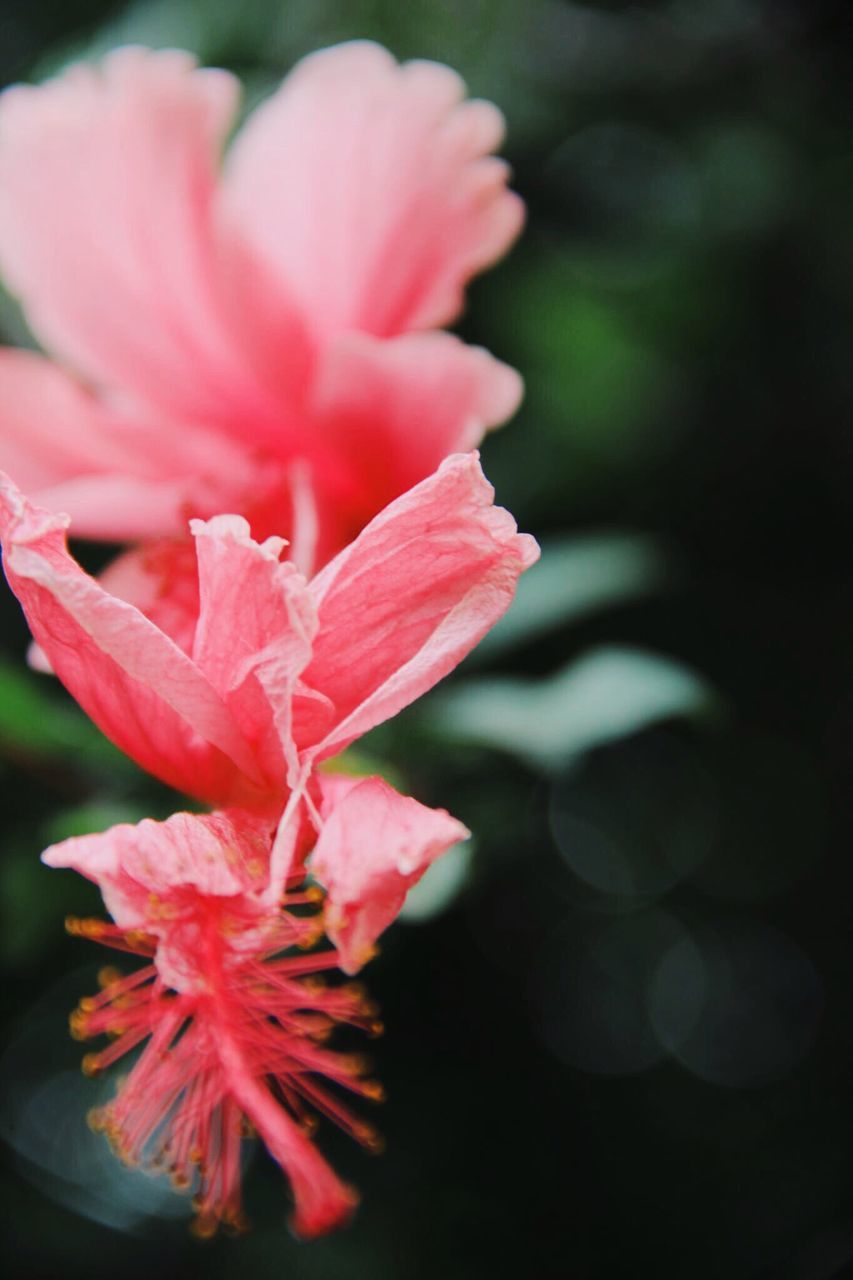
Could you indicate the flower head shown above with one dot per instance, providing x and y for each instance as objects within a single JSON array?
[
  {"x": 231, "y": 1013},
  {"x": 255, "y": 340},
  {"x": 234, "y": 1024},
  {"x": 277, "y": 675}
]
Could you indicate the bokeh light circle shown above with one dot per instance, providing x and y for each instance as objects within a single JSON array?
[
  {"x": 589, "y": 991},
  {"x": 636, "y": 817},
  {"x": 737, "y": 1005}
]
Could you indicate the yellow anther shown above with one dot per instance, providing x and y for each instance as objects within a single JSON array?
[
  {"x": 160, "y": 909},
  {"x": 355, "y": 1064},
  {"x": 77, "y": 1023},
  {"x": 79, "y": 928},
  {"x": 108, "y": 975},
  {"x": 91, "y": 1064},
  {"x": 97, "y": 1120},
  {"x": 236, "y": 1222},
  {"x": 312, "y": 934},
  {"x": 370, "y": 1139},
  {"x": 204, "y": 1226}
]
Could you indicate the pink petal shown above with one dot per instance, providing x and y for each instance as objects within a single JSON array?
[
  {"x": 375, "y": 844},
  {"x": 391, "y": 410},
  {"x": 107, "y": 177},
  {"x": 404, "y": 603},
  {"x": 50, "y": 427},
  {"x": 157, "y": 876},
  {"x": 194, "y": 473},
  {"x": 143, "y": 692},
  {"x": 119, "y": 508},
  {"x": 255, "y": 628},
  {"x": 215, "y": 855},
  {"x": 119, "y": 476},
  {"x": 369, "y": 190},
  {"x": 160, "y": 579},
  {"x": 99, "y": 858}
]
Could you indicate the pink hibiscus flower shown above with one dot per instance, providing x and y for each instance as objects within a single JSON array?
[
  {"x": 236, "y": 1025},
  {"x": 280, "y": 675},
  {"x": 256, "y": 340}
]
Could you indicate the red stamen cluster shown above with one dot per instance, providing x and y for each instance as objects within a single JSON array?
[{"x": 245, "y": 1052}]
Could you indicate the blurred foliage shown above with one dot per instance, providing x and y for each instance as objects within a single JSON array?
[
  {"x": 574, "y": 578},
  {"x": 37, "y": 721},
  {"x": 606, "y": 694},
  {"x": 620, "y": 1025}
]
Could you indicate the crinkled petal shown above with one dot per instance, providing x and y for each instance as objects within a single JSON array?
[
  {"x": 254, "y": 607},
  {"x": 374, "y": 845},
  {"x": 404, "y": 603},
  {"x": 255, "y": 629},
  {"x": 98, "y": 857},
  {"x": 153, "y": 875},
  {"x": 216, "y": 854},
  {"x": 369, "y": 189},
  {"x": 143, "y": 692},
  {"x": 107, "y": 177}
]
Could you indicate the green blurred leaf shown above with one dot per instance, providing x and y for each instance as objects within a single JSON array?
[
  {"x": 28, "y": 909},
  {"x": 751, "y": 176},
  {"x": 33, "y": 904},
  {"x": 364, "y": 764},
  {"x": 588, "y": 365},
  {"x": 36, "y": 719},
  {"x": 93, "y": 816},
  {"x": 605, "y": 695},
  {"x": 575, "y": 577}
]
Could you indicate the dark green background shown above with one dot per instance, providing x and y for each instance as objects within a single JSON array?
[{"x": 625, "y": 1046}]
